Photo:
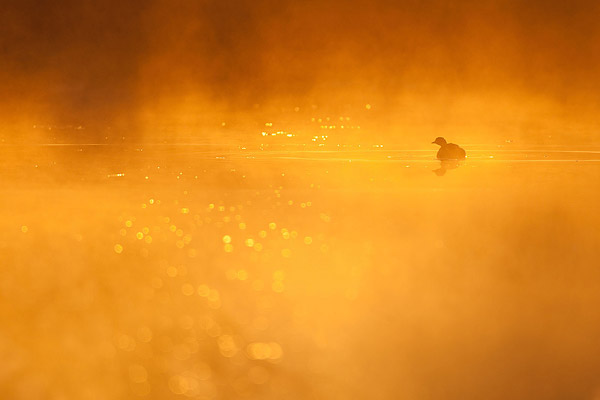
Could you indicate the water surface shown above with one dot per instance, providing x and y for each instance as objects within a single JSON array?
[{"x": 299, "y": 272}]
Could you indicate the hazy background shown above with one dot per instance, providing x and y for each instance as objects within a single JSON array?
[
  {"x": 490, "y": 69},
  {"x": 268, "y": 267}
]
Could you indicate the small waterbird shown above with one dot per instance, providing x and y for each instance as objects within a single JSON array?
[{"x": 449, "y": 151}]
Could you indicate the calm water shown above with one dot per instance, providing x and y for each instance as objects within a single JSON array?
[{"x": 300, "y": 272}]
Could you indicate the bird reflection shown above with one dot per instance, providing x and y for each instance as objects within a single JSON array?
[{"x": 446, "y": 165}]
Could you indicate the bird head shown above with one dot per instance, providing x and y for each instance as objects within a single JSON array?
[{"x": 439, "y": 141}]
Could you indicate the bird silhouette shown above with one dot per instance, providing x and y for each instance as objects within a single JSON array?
[{"x": 449, "y": 151}]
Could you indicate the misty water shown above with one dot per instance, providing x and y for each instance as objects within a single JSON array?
[{"x": 299, "y": 272}]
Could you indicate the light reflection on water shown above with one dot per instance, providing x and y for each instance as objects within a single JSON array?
[{"x": 220, "y": 272}]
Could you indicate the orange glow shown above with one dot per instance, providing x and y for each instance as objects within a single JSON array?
[{"x": 241, "y": 199}]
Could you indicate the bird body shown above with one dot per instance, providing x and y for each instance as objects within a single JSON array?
[{"x": 449, "y": 151}]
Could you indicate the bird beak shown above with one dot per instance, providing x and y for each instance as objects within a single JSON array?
[{"x": 432, "y": 142}]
